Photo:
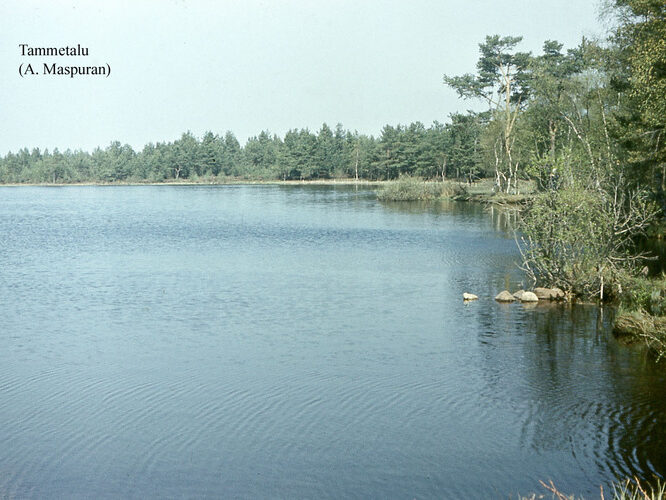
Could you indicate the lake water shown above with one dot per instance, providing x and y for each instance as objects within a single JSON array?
[{"x": 297, "y": 342}]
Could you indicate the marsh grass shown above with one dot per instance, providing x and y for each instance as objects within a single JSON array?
[
  {"x": 629, "y": 489},
  {"x": 408, "y": 188}
]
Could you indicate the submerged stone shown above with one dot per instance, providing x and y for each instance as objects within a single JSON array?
[
  {"x": 518, "y": 295},
  {"x": 529, "y": 297},
  {"x": 469, "y": 296}
]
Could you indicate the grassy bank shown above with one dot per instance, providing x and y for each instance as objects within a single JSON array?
[{"x": 642, "y": 314}]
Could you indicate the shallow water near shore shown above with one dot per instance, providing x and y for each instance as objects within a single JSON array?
[{"x": 298, "y": 342}]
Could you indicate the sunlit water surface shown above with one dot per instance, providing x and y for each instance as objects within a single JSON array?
[{"x": 297, "y": 342}]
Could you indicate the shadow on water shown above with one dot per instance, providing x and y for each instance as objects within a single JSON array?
[
  {"x": 573, "y": 390},
  {"x": 577, "y": 391}
]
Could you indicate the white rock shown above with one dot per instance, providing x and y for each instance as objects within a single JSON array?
[{"x": 504, "y": 296}]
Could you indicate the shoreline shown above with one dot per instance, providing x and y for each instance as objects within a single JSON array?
[
  {"x": 479, "y": 191},
  {"x": 203, "y": 182}
]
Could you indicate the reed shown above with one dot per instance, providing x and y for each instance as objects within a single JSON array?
[{"x": 629, "y": 489}]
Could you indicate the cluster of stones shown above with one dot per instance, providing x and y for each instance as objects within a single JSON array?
[
  {"x": 524, "y": 296},
  {"x": 535, "y": 296}
]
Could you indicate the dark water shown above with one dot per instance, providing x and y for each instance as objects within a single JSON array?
[{"x": 297, "y": 342}]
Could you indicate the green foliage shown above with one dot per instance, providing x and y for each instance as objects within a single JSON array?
[
  {"x": 463, "y": 144},
  {"x": 644, "y": 294},
  {"x": 564, "y": 234},
  {"x": 498, "y": 65},
  {"x": 438, "y": 151},
  {"x": 502, "y": 80},
  {"x": 638, "y": 72},
  {"x": 589, "y": 126},
  {"x": 581, "y": 240}
]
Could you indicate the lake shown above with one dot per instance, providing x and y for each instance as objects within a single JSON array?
[{"x": 298, "y": 342}]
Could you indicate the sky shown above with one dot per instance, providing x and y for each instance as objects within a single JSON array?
[{"x": 252, "y": 65}]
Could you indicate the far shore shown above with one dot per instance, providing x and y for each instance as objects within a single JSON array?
[
  {"x": 207, "y": 182},
  {"x": 481, "y": 190}
]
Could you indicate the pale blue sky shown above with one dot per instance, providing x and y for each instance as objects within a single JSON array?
[{"x": 253, "y": 65}]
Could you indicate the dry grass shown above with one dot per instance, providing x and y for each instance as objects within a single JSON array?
[
  {"x": 640, "y": 326},
  {"x": 630, "y": 489}
]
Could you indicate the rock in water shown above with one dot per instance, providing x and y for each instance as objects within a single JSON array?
[
  {"x": 469, "y": 296},
  {"x": 549, "y": 293},
  {"x": 529, "y": 297},
  {"x": 518, "y": 295},
  {"x": 504, "y": 296}
]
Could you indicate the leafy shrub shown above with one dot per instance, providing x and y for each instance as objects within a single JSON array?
[
  {"x": 644, "y": 294},
  {"x": 581, "y": 239}
]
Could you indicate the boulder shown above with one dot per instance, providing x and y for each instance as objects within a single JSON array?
[
  {"x": 504, "y": 296},
  {"x": 469, "y": 296},
  {"x": 549, "y": 293},
  {"x": 529, "y": 297},
  {"x": 517, "y": 295}
]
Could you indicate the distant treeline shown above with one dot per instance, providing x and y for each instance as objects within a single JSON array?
[
  {"x": 592, "y": 117},
  {"x": 441, "y": 150}
]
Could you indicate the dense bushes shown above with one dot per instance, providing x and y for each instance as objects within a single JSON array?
[{"x": 581, "y": 239}]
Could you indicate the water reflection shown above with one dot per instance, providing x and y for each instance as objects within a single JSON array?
[
  {"x": 576, "y": 391},
  {"x": 571, "y": 389},
  {"x": 503, "y": 219}
]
